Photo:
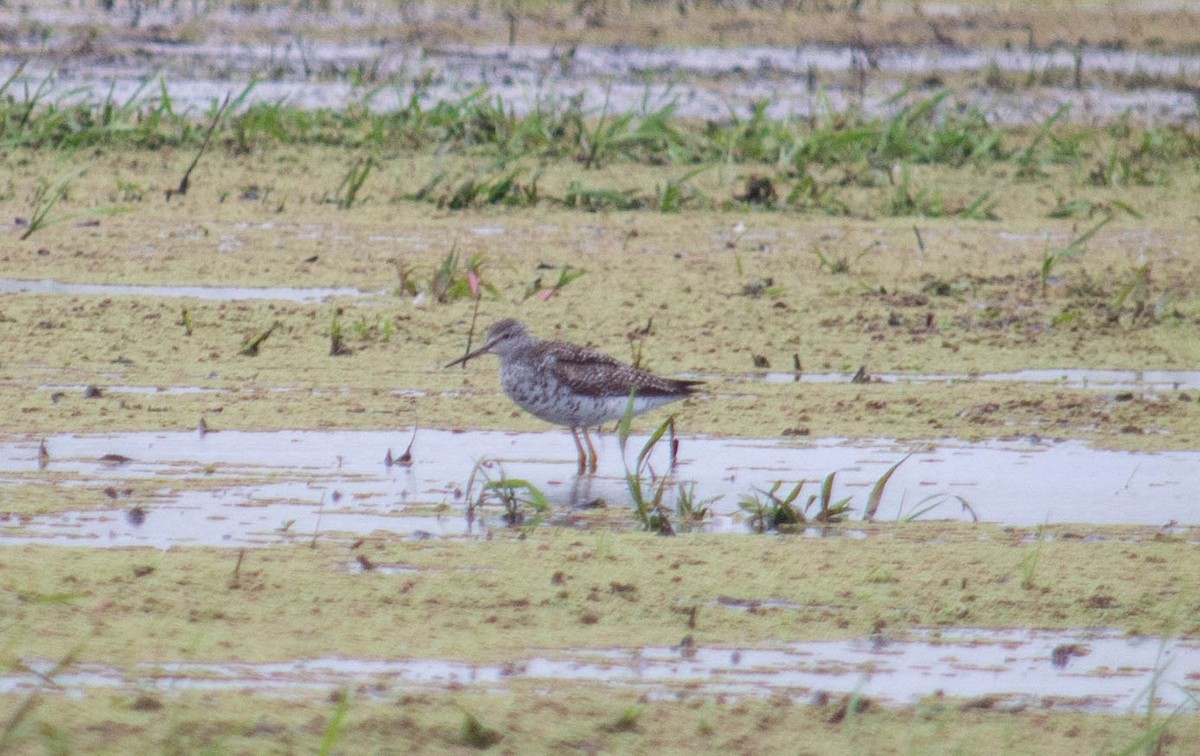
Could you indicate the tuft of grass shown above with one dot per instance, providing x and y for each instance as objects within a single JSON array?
[
  {"x": 476, "y": 734},
  {"x": 514, "y": 495},
  {"x": 597, "y": 200},
  {"x": 487, "y": 188},
  {"x": 1136, "y": 292},
  {"x": 769, "y": 511},
  {"x": 337, "y": 338},
  {"x": 647, "y": 489},
  {"x": 452, "y": 280},
  {"x": 185, "y": 320},
  {"x": 129, "y": 191},
  {"x": 446, "y": 283},
  {"x": 690, "y": 512},
  {"x": 252, "y": 344},
  {"x": 775, "y": 509},
  {"x": 627, "y": 135},
  {"x": 380, "y": 329},
  {"x": 1027, "y": 159},
  {"x": 904, "y": 200},
  {"x": 49, "y": 194},
  {"x": 1075, "y": 208},
  {"x": 982, "y": 207},
  {"x": 677, "y": 193},
  {"x": 566, "y": 275},
  {"x": 1031, "y": 559},
  {"x": 352, "y": 183},
  {"x": 1053, "y": 258},
  {"x": 627, "y": 720},
  {"x": 840, "y": 264}
]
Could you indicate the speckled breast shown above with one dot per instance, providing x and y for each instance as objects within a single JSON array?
[{"x": 545, "y": 397}]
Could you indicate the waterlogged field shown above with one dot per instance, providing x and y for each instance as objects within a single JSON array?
[{"x": 939, "y": 277}]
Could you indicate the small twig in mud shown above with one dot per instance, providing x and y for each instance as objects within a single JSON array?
[
  {"x": 473, "y": 281},
  {"x": 235, "y": 581},
  {"x": 320, "y": 512},
  {"x": 187, "y": 175},
  {"x": 405, "y": 459},
  {"x": 1127, "y": 482}
]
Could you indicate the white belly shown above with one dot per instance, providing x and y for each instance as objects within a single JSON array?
[{"x": 549, "y": 400}]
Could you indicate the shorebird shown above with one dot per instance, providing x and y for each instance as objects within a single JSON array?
[{"x": 571, "y": 385}]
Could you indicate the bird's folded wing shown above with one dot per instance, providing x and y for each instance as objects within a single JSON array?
[{"x": 609, "y": 378}]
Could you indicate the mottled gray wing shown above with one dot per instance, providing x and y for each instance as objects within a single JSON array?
[{"x": 592, "y": 373}]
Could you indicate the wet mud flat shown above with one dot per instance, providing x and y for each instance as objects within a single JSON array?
[
  {"x": 580, "y": 716},
  {"x": 546, "y": 621},
  {"x": 1023, "y": 316},
  {"x": 297, "y": 570},
  {"x": 1093, "y": 671},
  {"x": 152, "y": 558},
  {"x": 96, "y": 359}
]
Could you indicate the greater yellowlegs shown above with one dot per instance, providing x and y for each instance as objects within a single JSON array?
[{"x": 571, "y": 385}]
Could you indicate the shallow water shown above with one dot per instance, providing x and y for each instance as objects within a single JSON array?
[
  {"x": 242, "y": 488},
  {"x": 212, "y": 293},
  {"x": 1087, "y": 670},
  {"x": 1083, "y": 378},
  {"x": 702, "y": 82},
  {"x": 1135, "y": 381}
]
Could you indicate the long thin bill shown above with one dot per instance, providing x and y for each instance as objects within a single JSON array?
[{"x": 469, "y": 355}]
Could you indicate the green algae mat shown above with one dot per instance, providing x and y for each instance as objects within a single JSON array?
[{"x": 270, "y": 267}]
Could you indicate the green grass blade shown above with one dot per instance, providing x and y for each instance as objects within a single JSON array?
[
  {"x": 626, "y": 422},
  {"x": 655, "y": 437},
  {"x": 337, "y": 723},
  {"x": 827, "y": 490},
  {"x": 876, "y": 494}
]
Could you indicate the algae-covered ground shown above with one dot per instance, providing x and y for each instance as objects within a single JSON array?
[
  {"x": 724, "y": 295},
  {"x": 580, "y": 718},
  {"x": 505, "y": 600},
  {"x": 744, "y": 252},
  {"x": 557, "y": 590}
]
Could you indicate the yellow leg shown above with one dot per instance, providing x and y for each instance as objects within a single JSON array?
[
  {"x": 579, "y": 448},
  {"x": 592, "y": 456}
]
